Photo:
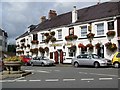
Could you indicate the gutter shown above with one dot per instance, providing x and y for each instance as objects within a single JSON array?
[{"x": 90, "y": 21}]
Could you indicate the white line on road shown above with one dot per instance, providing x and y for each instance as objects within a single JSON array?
[
  {"x": 82, "y": 72},
  {"x": 7, "y": 80},
  {"x": 69, "y": 79},
  {"x": 49, "y": 80},
  {"x": 43, "y": 71},
  {"x": 118, "y": 78},
  {"x": 104, "y": 74},
  {"x": 21, "y": 80},
  {"x": 87, "y": 79},
  {"x": 35, "y": 80},
  {"x": 105, "y": 78},
  {"x": 57, "y": 70},
  {"x": 30, "y": 70}
]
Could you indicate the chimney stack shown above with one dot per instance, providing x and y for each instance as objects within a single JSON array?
[
  {"x": 74, "y": 15},
  {"x": 43, "y": 18},
  {"x": 52, "y": 13}
]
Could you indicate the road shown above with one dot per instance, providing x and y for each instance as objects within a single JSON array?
[{"x": 65, "y": 77}]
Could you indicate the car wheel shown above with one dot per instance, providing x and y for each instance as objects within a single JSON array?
[
  {"x": 116, "y": 65},
  {"x": 42, "y": 64},
  {"x": 96, "y": 65},
  {"x": 32, "y": 64},
  {"x": 76, "y": 64}
]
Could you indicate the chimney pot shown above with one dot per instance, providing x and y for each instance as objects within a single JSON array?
[
  {"x": 43, "y": 18},
  {"x": 52, "y": 13}
]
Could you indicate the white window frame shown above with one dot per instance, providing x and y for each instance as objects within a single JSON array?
[
  {"x": 42, "y": 37},
  {"x": 60, "y": 34},
  {"x": 85, "y": 35},
  {"x": 103, "y": 29}
]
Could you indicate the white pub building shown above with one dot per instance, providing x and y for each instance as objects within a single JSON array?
[{"x": 62, "y": 37}]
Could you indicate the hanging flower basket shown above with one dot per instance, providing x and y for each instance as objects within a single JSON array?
[
  {"x": 111, "y": 46},
  {"x": 97, "y": 46},
  {"x": 90, "y": 46},
  {"x": 110, "y": 33},
  {"x": 53, "y": 39},
  {"x": 23, "y": 40},
  {"x": 35, "y": 50},
  {"x": 71, "y": 37},
  {"x": 34, "y": 42},
  {"x": 90, "y": 35},
  {"x": 73, "y": 47},
  {"x": 28, "y": 45},
  {"x": 80, "y": 45},
  {"x": 41, "y": 50},
  {"x": 52, "y": 33},
  {"x": 46, "y": 34},
  {"x": 46, "y": 49}
]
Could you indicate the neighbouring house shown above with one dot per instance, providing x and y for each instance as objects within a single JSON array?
[
  {"x": 3, "y": 42},
  {"x": 62, "y": 37}
]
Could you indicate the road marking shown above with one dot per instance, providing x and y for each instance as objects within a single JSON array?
[
  {"x": 68, "y": 79},
  {"x": 118, "y": 78},
  {"x": 35, "y": 80},
  {"x": 82, "y": 72},
  {"x": 105, "y": 78},
  {"x": 49, "y": 80},
  {"x": 30, "y": 70},
  {"x": 7, "y": 80},
  {"x": 21, "y": 80},
  {"x": 87, "y": 79},
  {"x": 104, "y": 74},
  {"x": 57, "y": 70},
  {"x": 43, "y": 71}
]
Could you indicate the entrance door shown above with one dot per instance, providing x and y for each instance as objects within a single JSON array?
[
  {"x": 60, "y": 56},
  {"x": 56, "y": 56}
]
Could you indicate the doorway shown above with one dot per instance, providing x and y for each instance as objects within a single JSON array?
[
  {"x": 100, "y": 51},
  {"x": 58, "y": 56}
]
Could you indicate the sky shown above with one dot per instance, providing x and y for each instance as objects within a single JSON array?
[{"x": 17, "y": 15}]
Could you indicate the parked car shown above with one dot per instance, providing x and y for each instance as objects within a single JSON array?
[
  {"x": 91, "y": 60},
  {"x": 26, "y": 59},
  {"x": 43, "y": 61},
  {"x": 116, "y": 60}
]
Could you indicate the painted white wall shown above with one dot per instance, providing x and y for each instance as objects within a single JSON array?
[{"x": 77, "y": 31}]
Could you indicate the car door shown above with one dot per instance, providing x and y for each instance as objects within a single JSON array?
[
  {"x": 85, "y": 59},
  {"x": 79, "y": 60}
]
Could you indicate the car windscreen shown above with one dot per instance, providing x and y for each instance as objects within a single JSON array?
[
  {"x": 95, "y": 56},
  {"x": 118, "y": 55}
]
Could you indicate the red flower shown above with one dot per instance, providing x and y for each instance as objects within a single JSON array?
[
  {"x": 80, "y": 45},
  {"x": 110, "y": 33}
]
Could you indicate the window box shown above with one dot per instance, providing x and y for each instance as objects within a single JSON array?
[{"x": 71, "y": 37}]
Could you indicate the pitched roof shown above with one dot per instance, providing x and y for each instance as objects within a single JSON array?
[{"x": 102, "y": 10}]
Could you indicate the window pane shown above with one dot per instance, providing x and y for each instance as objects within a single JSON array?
[
  {"x": 35, "y": 37},
  {"x": 71, "y": 31},
  {"x": 83, "y": 31},
  {"x": 111, "y": 25},
  {"x": 59, "y": 34},
  {"x": 100, "y": 29},
  {"x": 118, "y": 55}
]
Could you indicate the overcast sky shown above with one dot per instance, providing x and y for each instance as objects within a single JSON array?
[{"x": 17, "y": 16}]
